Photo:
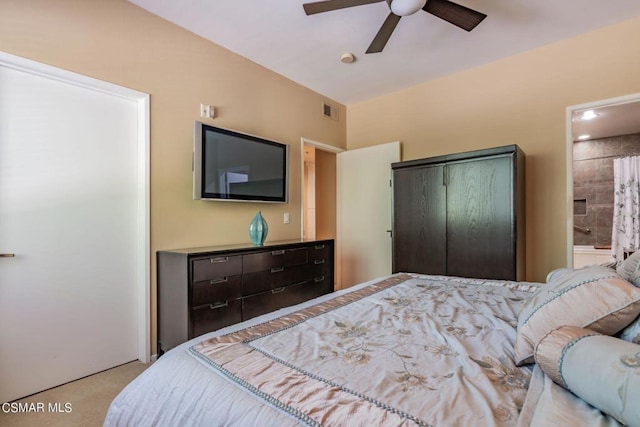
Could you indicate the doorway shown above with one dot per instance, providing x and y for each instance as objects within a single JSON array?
[
  {"x": 597, "y": 132},
  {"x": 319, "y": 194}
]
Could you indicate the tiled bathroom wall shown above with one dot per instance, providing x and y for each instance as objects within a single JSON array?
[{"x": 593, "y": 186}]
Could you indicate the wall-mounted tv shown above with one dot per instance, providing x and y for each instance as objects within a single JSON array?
[{"x": 233, "y": 166}]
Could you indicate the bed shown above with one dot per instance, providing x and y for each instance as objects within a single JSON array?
[{"x": 402, "y": 350}]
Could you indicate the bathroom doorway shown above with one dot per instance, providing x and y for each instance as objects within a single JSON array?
[{"x": 597, "y": 133}]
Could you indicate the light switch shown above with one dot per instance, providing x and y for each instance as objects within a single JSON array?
[{"x": 286, "y": 217}]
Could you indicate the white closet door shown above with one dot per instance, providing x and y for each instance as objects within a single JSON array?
[
  {"x": 68, "y": 211},
  {"x": 364, "y": 197}
]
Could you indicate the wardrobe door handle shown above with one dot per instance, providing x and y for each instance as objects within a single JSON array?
[{"x": 7, "y": 255}]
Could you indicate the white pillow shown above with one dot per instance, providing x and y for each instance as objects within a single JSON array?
[
  {"x": 594, "y": 297},
  {"x": 557, "y": 273},
  {"x": 629, "y": 269}
]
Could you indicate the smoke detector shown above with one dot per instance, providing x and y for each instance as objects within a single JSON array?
[{"x": 347, "y": 58}]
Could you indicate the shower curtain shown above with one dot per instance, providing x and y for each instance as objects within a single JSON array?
[{"x": 626, "y": 207}]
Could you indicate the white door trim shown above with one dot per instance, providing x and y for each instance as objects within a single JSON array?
[
  {"x": 143, "y": 250},
  {"x": 569, "y": 154}
]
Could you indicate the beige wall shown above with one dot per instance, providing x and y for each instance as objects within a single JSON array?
[
  {"x": 520, "y": 100},
  {"x": 118, "y": 42}
]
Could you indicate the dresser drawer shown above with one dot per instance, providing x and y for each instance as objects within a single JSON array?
[
  {"x": 216, "y": 267},
  {"x": 319, "y": 285},
  {"x": 265, "y": 261},
  {"x": 320, "y": 252},
  {"x": 286, "y": 296},
  {"x": 270, "y": 301},
  {"x": 211, "y": 317},
  {"x": 318, "y": 273},
  {"x": 276, "y": 277},
  {"x": 213, "y": 290}
]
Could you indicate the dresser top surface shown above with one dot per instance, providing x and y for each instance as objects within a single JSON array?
[{"x": 244, "y": 246}]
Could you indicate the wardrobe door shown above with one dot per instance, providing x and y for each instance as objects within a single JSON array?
[
  {"x": 419, "y": 220},
  {"x": 480, "y": 218}
]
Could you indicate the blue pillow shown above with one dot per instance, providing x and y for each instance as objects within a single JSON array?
[
  {"x": 629, "y": 269},
  {"x": 604, "y": 371}
]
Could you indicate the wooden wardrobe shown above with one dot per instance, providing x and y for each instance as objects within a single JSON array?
[{"x": 461, "y": 214}]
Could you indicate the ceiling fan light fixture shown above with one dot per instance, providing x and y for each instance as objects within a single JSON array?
[{"x": 406, "y": 7}]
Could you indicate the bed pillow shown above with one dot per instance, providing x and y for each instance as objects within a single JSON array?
[
  {"x": 632, "y": 332},
  {"x": 629, "y": 269},
  {"x": 557, "y": 273},
  {"x": 601, "y": 370},
  {"x": 594, "y": 297}
]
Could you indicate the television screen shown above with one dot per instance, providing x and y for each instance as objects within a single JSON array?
[{"x": 230, "y": 165}]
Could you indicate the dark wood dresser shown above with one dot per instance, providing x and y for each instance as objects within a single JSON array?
[{"x": 204, "y": 289}]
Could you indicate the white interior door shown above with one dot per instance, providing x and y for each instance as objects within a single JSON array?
[
  {"x": 69, "y": 212},
  {"x": 364, "y": 206}
]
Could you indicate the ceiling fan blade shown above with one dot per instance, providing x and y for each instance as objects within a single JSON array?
[
  {"x": 458, "y": 15},
  {"x": 328, "y": 5},
  {"x": 381, "y": 39}
]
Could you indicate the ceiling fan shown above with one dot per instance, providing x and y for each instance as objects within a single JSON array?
[{"x": 454, "y": 13}]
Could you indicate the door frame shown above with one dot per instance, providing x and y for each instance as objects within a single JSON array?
[
  {"x": 141, "y": 99},
  {"x": 318, "y": 146},
  {"x": 625, "y": 99},
  {"x": 331, "y": 149}
]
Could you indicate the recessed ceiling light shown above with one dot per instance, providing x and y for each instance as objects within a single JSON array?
[
  {"x": 583, "y": 137},
  {"x": 588, "y": 115}
]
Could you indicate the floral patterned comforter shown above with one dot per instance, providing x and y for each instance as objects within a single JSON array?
[{"x": 407, "y": 350}]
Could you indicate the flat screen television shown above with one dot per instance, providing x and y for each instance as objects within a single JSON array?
[{"x": 233, "y": 166}]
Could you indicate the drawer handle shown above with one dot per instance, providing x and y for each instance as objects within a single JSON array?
[
  {"x": 216, "y": 281},
  {"x": 219, "y": 259},
  {"x": 219, "y": 305},
  {"x": 277, "y": 269},
  {"x": 318, "y": 261},
  {"x": 318, "y": 279},
  {"x": 276, "y": 253},
  {"x": 319, "y": 246},
  {"x": 277, "y": 290}
]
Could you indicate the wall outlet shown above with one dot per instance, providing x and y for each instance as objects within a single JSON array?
[
  {"x": 207, "y": 111},
  {"x": 286, "y": 217}
]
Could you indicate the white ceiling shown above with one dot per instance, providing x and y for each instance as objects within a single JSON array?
[{"x": 278, "y": 35}]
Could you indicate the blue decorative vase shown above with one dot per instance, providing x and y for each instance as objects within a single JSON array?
[{"x": 258, "y": 229}]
